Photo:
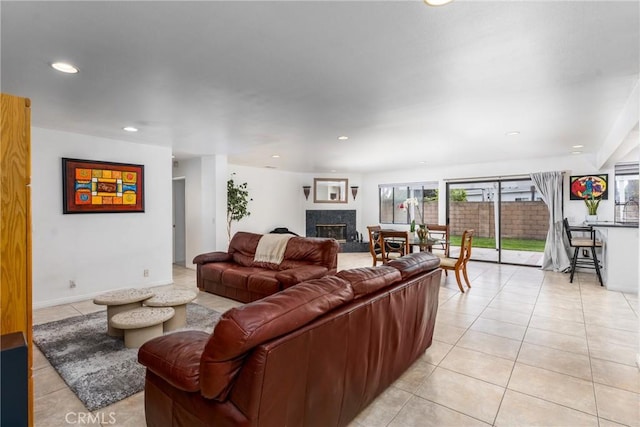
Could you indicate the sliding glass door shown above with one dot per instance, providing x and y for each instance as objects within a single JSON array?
[
  {"x": 524, "y": 222},
  {"x": 474, "y": 205},
  {"x": 509, "y": 219}
]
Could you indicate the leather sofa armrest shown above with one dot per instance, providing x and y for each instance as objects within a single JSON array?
[
  {"x": 212, "y": 257},
  {"x": 297, "y": 275},
  {"x": 176, "y": 358}
]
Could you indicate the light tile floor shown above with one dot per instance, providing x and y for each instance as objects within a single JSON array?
[{"x": 522, "y": 347}]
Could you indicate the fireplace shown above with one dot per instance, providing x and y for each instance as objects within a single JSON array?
[
  {"x": 339, "y": 224},
  {"x": 332, "y": 231},
  {"x": 328, "y": 219}
]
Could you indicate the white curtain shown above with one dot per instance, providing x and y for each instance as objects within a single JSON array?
[{"x": 549, "y": 184}]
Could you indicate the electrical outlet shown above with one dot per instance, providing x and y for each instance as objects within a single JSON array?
[
  {"x": 585, "y": 253},
  {"x": 72, "y": 284},
  {"x": 146, "y": 273}
]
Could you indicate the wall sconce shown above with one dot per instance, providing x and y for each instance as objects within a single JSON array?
[
  {"x": 307, "y": 190},
  {"x": 354, "y": 191}
]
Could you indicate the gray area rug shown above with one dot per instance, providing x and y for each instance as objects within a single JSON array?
[{"x": 98, "y": 368}]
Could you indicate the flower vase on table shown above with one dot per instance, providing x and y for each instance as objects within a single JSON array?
[
  {"x": 592, "y": 204},
  {"x": 422, "y": 232},
  {"x": 590, "y": 219},
  {"x": 411, "y": 205}
]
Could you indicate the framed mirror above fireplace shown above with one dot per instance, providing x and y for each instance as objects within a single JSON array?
[{"x": 330, "y": 190}]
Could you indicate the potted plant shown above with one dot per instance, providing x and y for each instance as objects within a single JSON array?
[
  {"x": 592, "y": 204},
  {"x": 237, "y": 202}
]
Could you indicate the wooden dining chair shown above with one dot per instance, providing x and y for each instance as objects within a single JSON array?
[
  {"x": 441, "y": 234},
  {"x": 459, "y": 265},
  {"x": 394, "y": 244},
  {"x": 374, "y": 244}
]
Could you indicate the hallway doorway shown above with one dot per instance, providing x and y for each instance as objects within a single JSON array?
[{"x": 179, "y": 239}]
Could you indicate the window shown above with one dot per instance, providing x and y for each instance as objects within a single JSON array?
[
  {"x": 626, "y": 192},
  {"x": 392, "y": 195}
]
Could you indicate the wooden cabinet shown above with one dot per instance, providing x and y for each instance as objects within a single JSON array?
[{"x": 15, "y": 221}]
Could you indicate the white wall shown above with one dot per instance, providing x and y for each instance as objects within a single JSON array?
[
  {"x": 572, "y": 165},
  {"x": 353, "y": 180},
  {"x": 99, "y": 252},
  {"x": 102, "y": 252},
  {"x": 278, "y": 199}
]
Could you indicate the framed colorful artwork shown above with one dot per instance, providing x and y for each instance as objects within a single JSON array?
[
  {"x": 90, "y": 186},
  {"x": 589, "y": 186}
]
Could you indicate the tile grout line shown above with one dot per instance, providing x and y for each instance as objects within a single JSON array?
[
  {"x": 586, "y": 334},
  {"x": 506, "y": 387}
]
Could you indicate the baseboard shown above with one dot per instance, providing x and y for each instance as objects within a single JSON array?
[{"x": 77, "y": 298}]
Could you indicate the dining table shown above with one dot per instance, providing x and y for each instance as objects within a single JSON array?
[{"x": 423, "y": 245}]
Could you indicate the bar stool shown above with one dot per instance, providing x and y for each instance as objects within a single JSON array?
[{"x": 583, "y": 243}]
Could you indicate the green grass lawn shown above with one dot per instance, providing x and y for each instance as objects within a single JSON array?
[{"x": 511, "y": 244}]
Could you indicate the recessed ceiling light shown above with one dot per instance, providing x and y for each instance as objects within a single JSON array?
[
  {"x": 577, "y": 146},
  {"x": 64, "y": 67},
  {"x": 333, "y": 171},
  {"x": 576, "y": 152},
  {"x": 343, "y": 138},
  {"x": 437, "y": 2},
  {"x": 130, "y": 129},
  {"x": 276, "y": 156},
  {"x": 422, "y": 162},
  {"x": 512, "y": 133}
]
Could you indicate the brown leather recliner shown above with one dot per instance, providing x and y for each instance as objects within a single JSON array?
[
  {"x": 234, "y": 274},
  {"x": 315, "y": 354}
]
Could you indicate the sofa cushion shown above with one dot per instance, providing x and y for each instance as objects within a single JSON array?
[
  {"x": 213, "y": 271},
  {"x": 238, "y": 277},
  {"x": 176, "y": 358},
  {"x": 415, "y": 263},
  {"x": 300, "y": 251},
  {"x": 310, "y": 250},
  {"x": 300, "y": 274},
  {"x": 242, "y": 328},
  {"x": 369, "y": 279},
  {"x": 242, "y": 247},
  {"x": 264, "y": 283}
]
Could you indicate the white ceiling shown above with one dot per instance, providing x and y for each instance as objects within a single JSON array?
[{"x": 406, "y": 82}]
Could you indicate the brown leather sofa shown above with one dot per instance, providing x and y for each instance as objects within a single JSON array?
[
  {"x": 234, "y": 274},
  {"x": 315, "y": 354}
]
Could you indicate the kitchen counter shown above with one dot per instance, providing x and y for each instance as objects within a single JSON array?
[
  {"x": 613, "y": 224},
  {"x": 619, "y": 255}
]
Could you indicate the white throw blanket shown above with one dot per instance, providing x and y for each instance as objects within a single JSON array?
[{"x": 271, "y": 248}]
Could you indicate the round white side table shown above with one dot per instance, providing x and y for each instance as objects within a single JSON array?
[
  {"x": 141, "y": 324},
  {"x": 176, "y": 298},
  {"x": 119, "y": 301}
]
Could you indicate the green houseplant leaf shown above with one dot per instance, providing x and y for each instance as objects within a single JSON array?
[{"x": 237, "y": 203}]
